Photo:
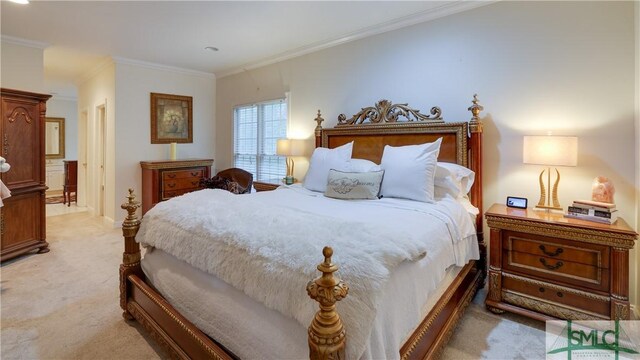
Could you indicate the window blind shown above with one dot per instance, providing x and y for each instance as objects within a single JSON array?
[{"x": 257, "y": 128}]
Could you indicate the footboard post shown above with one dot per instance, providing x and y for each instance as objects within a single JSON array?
[
  {"x": 326, "y": 333},
  {"x": 131, "y": 256}
]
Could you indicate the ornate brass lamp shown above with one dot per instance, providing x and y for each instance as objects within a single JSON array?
[
  {"x": 289, "y": 148},
  {"x": 550, "y": 151}
]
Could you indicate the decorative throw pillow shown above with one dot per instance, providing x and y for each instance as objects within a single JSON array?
[
  {"x": 453, "y": 179},
  {"x": 364, "y": 165},
  {"x": 354, "y": 185},
  {"x": 410, "y": 171},
  {"x": 322, "y": 160}
]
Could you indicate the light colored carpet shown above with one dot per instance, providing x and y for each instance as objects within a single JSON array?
[{"x": 64, "y": 305}]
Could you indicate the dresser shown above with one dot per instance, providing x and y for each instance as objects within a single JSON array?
[
  {"x": 22, "y": 218},
  {"x": 545, "y": 266},
  {"x": 162, "y": 180},
  {"x": 70, "y": 180}
]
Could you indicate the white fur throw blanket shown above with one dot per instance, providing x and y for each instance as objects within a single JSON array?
[{"x": 271, "y": 252}]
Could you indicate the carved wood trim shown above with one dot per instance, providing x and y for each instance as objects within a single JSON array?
[
  {"x": 565, "y": 289},
  {"x": 558, "y": 310},
  {"x": 495, "y": 284},
  {"x": 625, "y": 241},
  {"x": 20, "y": 111},
  {"x": 326, "y": 333},
  {"x": 384, "y": 111},
  {"x": 416, "y": 338},
  {"x": 214, "y": 353},
  {"x": 156, "y": 332}
]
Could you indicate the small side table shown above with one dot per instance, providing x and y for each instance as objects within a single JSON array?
[
  {"x": 70, "y": 181},
  {"x": 545, "y": 266},
  {"x": 267, "y": 185}
]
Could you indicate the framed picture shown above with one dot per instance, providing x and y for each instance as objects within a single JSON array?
[{"x": 171, "y": 119}]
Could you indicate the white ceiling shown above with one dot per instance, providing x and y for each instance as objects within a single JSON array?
[{"x": 81, "y": 34}]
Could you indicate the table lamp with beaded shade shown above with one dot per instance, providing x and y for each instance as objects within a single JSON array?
[{"x": 550, "y": 151}]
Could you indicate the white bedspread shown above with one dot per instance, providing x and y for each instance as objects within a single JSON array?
[{"x": 370, "y": 239}]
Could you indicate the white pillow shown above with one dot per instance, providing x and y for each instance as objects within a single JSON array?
[
  {"x": 323, "y": 160},
  {"x": 453, "y": 179},
  {"x": 363, "y": 165},
  {"x": 409, "y": 171}
]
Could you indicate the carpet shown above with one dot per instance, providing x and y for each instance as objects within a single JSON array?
[
  {"x": 58, "y": 199},
  {"x": 65, "y": 305}
]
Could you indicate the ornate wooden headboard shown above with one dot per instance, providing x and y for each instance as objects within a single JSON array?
[{"x": 397, "y": 124}]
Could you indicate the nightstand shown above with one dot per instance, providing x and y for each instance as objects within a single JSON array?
[
  {"x": 545, "y": 266},
  {"x": 267, "y": 185}
]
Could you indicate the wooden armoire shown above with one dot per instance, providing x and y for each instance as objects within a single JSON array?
[{"x": 22, "y": 218}]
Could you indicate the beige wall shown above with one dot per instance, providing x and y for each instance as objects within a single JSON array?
[
  {"x": 537, "y": 67},
  {"x": 134, "y": 83},
  {"x": 95, "y": 92},
  {"x": 637, "y": 165},
  {"x": 21, "y": 67}
]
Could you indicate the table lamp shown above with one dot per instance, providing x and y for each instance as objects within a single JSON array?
[
  {"x": 550, "y": 151},
  {"x": 289, "y": 148}
]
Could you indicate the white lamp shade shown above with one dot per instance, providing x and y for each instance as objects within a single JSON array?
[
  {"x": 290, "y": 147},
  {"x": 550, "y": 150}
]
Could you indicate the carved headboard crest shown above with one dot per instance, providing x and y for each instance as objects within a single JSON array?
[{"x": 386, "y": 112}]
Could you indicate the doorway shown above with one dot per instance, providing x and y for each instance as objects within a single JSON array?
[{"x": 99, "y": 182}]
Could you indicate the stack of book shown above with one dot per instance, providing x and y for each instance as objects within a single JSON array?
[{"x": 592, "y": 211}]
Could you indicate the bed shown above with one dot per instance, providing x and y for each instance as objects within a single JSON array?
[{"x": 147, "y": 292}]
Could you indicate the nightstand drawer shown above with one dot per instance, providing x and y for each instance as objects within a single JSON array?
[
  {"x": 553, "y": 299},
  {"x": 569, "y": 272},
  {"x": 565, "y": 261},
  {"x": 563, "y": 250},
  {"x": 182, "y": 174}
]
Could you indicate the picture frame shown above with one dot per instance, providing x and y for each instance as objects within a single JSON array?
[{"x": 171, "y": 119}]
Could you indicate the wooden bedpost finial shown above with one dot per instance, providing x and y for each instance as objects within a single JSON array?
[
  {"x": 318, "y": 132},
  {"x": 131, "y": 206},
  {"x": 326, "y": 333},
  {"x": 131, "y": 255},
  {"x": 475, "y": 125},
  {"x": 318, "y": 120},
  {"x": 130, "y": 227}
]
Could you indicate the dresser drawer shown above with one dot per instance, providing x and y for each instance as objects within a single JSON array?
[
  {"x": 182, "y": 174},
  {"x": 181, "y": 183},
  {"x": 166, "y": 195},
  {"x": 559, "y": 260},
  {"x": 553, "y": 299}
]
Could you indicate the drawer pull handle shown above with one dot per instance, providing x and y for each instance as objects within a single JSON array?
[
  {"x": 195, "y": 173},
  {"x": 194, "y": 183},
  {"x": 560, "y": 294},
  {"x": 548, "y": 253},
  {"x": 541, "y": 289},
  {"x": 551, "y": 267},
  {"x": 171, "y": 185},
  {"x": 171, "y": 176}
]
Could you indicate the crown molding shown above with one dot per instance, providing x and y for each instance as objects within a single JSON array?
[
  {"x": 155, "y": 66},
  {"x": 395, "y": 24},
  {"x": 64, "y": 97},
  {"x": 93, "y": 72},
  {"x": 24, "y": 42}
]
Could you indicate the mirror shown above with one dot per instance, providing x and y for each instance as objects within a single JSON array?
[{"x": 54, "y": 138}]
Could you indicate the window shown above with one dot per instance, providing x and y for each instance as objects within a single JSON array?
[{"x": 257, "y": 128}]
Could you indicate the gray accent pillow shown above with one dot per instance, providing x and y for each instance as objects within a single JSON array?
[{"x": 354, "y": 185}]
